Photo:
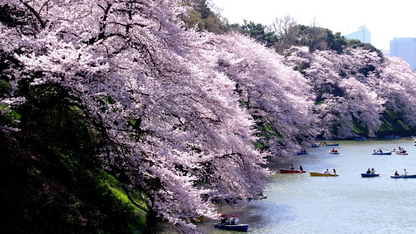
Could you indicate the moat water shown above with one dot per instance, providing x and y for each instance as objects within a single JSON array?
[{"x": 299, "y": 203}]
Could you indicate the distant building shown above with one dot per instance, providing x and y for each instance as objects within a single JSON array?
[
  {"x": 404, "y": 48},
  {"x": 361, "y": 34}
]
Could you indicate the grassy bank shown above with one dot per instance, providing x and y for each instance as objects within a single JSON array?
[{"x": 58, "y": 193}]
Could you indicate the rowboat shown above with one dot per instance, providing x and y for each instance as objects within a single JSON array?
[
  {"x": 236, "y": 227},
  {"x": 302, "y": 153},
  {"x": 283, "y": 170},
  {"x": 332, "y": 152},
  {"x": 392, "y": 137},
  {"x": 369, "y": 175},
  {"x": 401, "y": 151},
  {"x": 383, "y": 153},
  {"x": 332, "y": 144},
  {"x": 260, "y": 197},
  {"x": 314, "y": 173},
  {"x": 403, "y": 176},
  {"x": 315, "y": 145},
  {"x": 410, "y": 139},
  {"x": 398, "y": 153},
  {"x": 360, "y": 139}
]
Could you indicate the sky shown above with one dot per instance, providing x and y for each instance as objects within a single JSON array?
[{"x": 384, "y": 19}]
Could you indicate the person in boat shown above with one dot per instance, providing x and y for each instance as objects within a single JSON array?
[
  {"x": 334, "y": 172},
  {"x": 223, "y": 219},
  {"x": 374, "y": 151},
  {"x": 401, "y": 150},
  {"x": 405, "y": 172},
  {"x": 234, "y": 220},
  {"x": 396, "y": 174},
  {"x": 300, "y": 168},
  {"x": 368, "y": 171},
  {"x": 373, "y": 171},
  {"x": 291, "y": 167},
  {"x": 326, "y": 171},
  {"x": 380, "y": 150},
  {"x": 324, "y": 143}
]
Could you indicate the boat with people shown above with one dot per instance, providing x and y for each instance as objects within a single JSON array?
[
  {"x": 412, "y": 138},
  {"x": 332, "y": 144},
  {"x": 302, "y": 153},
  {"x": 333, "y": 151},
  {"x": 401, "y": 151},
  {"x": 381, "y": 153},
  {"x": 403, "y": 176},
  {"x": 314, "y": 173},
  {"x": 235, "y": 227},
  {"x": 369, "y": 175},
  {"x": 285, "y": 170}
]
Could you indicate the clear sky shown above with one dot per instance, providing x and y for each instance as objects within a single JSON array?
[{"x": 384, "y": 19}]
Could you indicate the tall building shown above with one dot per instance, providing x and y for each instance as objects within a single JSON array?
[
  {"x": 404, "y": 48},
  {"x": 361, "y": 34}
]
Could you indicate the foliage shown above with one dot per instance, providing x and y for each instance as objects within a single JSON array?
[
  {"x": 356, "y": 87},
  {"x": 49, "y": 179},
  {"x": 279, "y": 99},
  {"x": 167, "y": 122},
  {"x": 258, "y": 32},
  {"x": 203, "y": 16}
]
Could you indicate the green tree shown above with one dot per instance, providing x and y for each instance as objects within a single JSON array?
[
  {"x": 336, "y": 41},
  {"x": 313, "y": 37},
  {"x": 258, "y": 32},
  {"x": 203, "y": 16}
]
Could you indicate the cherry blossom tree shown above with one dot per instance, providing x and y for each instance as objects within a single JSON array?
[
  {"x": 276, "y": 96},
  {"x": 177, "y": 110},
  {"x": 355, "y": 87},
  {"x": 172, "y": 125},
  {"x": 397, "y": 85}
]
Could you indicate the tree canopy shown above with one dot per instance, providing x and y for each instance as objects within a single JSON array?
[{"x": 174, "y": 111}]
